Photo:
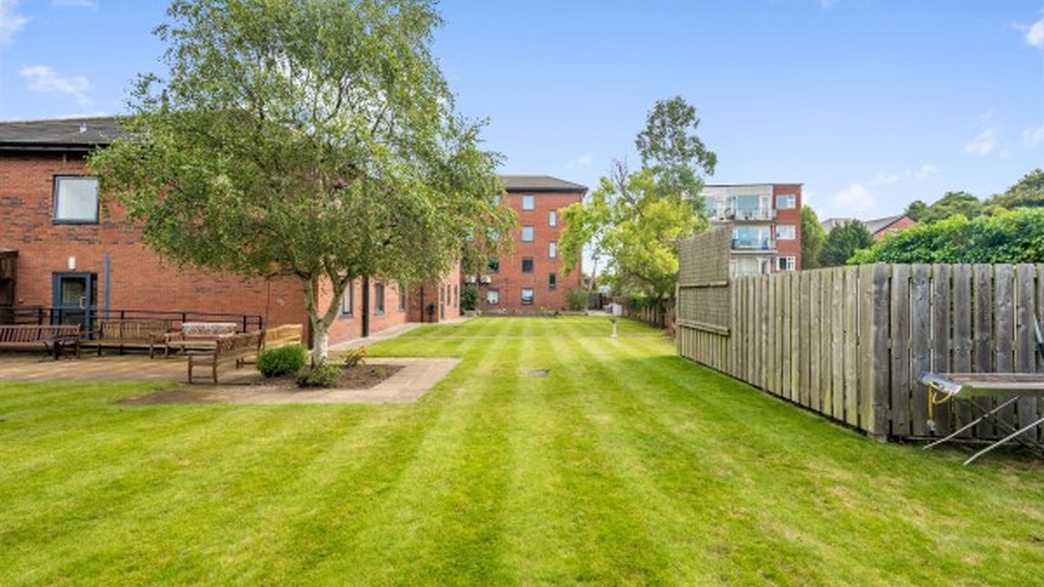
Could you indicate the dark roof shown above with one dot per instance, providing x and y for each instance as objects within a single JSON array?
[
  {"x": 539, "y": 183},
  {"x": 739, "y": 185},
  {"x": 875, "y": 225},
  {"x": 58, "y": 134}
]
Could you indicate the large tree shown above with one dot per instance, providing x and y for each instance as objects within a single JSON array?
[
  {"x": 951, "y": 204},
  {"x": 843, "y": 241},
  {"x": 634, "y": 219},
  {"x": 1028, "y": 192},
  {"x": 313, "y": 139},
  {"x": 812, "y": 237}
]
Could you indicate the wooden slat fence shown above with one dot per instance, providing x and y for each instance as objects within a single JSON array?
[{"x": 851, "y": 342}]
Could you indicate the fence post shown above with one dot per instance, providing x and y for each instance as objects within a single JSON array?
[{"x": 874, "y": 318}]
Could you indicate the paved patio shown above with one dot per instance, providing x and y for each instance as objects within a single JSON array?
[{"x": 237, "y": 386}]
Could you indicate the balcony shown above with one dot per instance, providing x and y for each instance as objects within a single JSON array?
[
  {"x": 755, "y": 215},
  {"x": 753, "y": 244}
]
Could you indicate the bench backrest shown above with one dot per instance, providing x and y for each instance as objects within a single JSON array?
[
  {"x": 208, "y": 330},
  {"x": 36, "y": 333},
  {"x": 284, "y": 335},
  {"x": 137, "y": 329},
  {"x": 239, "y": 345}
]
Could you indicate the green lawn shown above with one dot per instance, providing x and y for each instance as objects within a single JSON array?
[{"x": 626, "y": 464}]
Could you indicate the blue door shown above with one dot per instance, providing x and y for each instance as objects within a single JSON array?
[{"x": 75, "y": 296}]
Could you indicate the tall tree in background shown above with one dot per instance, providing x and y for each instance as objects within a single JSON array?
[
  {"x": 313, "y": 139},
  {"x": 952, "y": 203},
  {"x": 843, "y": 241},
  {"x": 1028, "y": 192},
  {"x": 634, "y": 219},
  {"x": 812, "y": 237}
]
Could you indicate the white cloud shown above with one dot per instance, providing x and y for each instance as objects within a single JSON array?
[
  {"x": 926, "y": 170},
  {"x": 42, "y": 78},
  {"x": 75, "y": 3},
  {"x": 1033, "y": 136},
  {"x": 983, "y": 144},
  {"x": 584, "y": 160},
  {"x": 10, "y": 20},
  {"x": 1035, "y": 34},
  {"x": 854, "y": 198}
]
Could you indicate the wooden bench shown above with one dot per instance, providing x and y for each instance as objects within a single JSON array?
[
  {"x": 122, "y": 333},
  {"x": 231, "y": 347},
  {"x": 284, "y": 335},
  {"x": 198, "y": 336},
  {"x": 55, "y": 339}
]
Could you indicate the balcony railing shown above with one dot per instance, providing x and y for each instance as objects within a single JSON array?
[
  {"x": 759, "y": 214},
  {"x": 753, "y": 244}
]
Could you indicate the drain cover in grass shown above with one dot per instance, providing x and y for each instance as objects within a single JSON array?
[{"x": 536, "y": 372}]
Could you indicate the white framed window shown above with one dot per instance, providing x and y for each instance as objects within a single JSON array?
[
  {"x": 527, "y": 264},
  {"x": 527, "y": 295},
  {"x": 552, "y": 249},
  {"x": 786, "y": 263},
  {"x": 786, "y": 231},
  {"x": 552, "y": 281},
  {"x": 527, "y": 234},
  {"x": 378, "y": 299},
  {"x": 786, "y": 202},
  {"x": 75, "y": 200},
  {"x": 552, "y": 218},
  {"x": 528, "y": 202},
  {"x": 348, "y": 300},
  {"x": 492, "y": 297}
]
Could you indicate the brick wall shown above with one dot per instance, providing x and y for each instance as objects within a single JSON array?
[
  {"x": 509, "y": 280},
  {"x": 901, "y": 224},
  {"x": 140, "y": 280},
  {"x": 788, "y": 248}
]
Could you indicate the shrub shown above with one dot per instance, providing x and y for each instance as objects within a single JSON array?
[
  {"x": 469, "y": 297},
  {"x": 282, "y": 361},
  {"x": 355, "y": 357},
  {"x": 576, "y": 300},
  {"x": 322, "y": 375}
]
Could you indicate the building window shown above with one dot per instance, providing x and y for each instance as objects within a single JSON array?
[
  {"x": 378, "y": 299},
  {"x": 788, "y": 202},
  {"x": 552, "y": 281},
  {"x": 527, "y": 264},
  {"x": 552, "y": 249},
  {"x": 786, "y": 231},
  {"x": 492, "y": 297},
  {"x": 456, "y": 295},
  {"x": 552, "y": 218},
  {"x": 527, "y": 295},
  {"x": 527, "y": 234},
  {"x": 493, "y": 265},
  {"x": 348, "y": 300},
  {"x": 76, "y": 200},
  {"x": 402, "y": 297},
  {"x": 755, "y": 238},
  {"x": 786, "y": 263},
  {"x": 528, "y": 202}
]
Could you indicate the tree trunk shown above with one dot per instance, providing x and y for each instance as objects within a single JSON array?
[{"x": 320, "y": 324}]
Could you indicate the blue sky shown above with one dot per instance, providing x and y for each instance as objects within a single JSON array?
[{"x": 869, "y": 104}]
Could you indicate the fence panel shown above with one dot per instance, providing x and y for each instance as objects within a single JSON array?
[{"x": 851, "y": 342}]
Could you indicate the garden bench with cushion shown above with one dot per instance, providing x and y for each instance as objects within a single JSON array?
[
  {"x": 198, "y": 336},
  {"x": 136, "y": 333},
  {"x": 227, "y": 348},
  {"x": 54, "y": 338}
]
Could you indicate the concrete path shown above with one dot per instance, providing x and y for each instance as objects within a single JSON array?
[
  {"x": 392, "y": 333},
  {"x": 238, "y": 386}
]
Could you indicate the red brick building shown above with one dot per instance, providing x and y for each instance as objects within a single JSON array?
[
  {"x": 64, "y": 250},
  {"x": 878, "y": 227},
  {"x": 765, "y": 219},
  {"x": 532, "y": 278}
]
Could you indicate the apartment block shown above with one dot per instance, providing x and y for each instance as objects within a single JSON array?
[
  {"x": 765, "y": 219},
  {"x": 532, "y": 278}
]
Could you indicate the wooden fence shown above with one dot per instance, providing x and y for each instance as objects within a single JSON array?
[{"x": 850, "y": 343}]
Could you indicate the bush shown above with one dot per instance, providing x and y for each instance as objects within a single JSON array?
[
  {"x": 322, "y": 375},
  {"x": 469, "y": 297},
  {"x": 282, "y": 361},
  {"x": 576, "y": 300},
  {"x": 356, "y": 356}
]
